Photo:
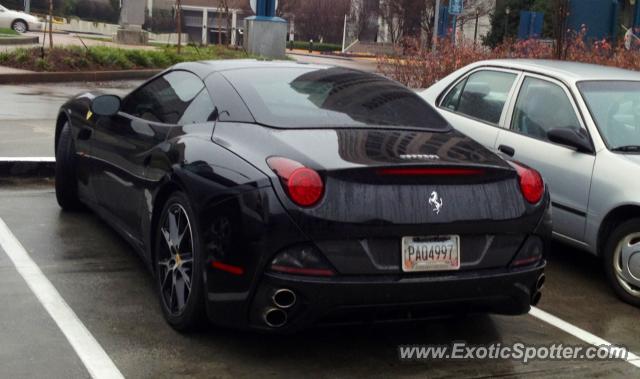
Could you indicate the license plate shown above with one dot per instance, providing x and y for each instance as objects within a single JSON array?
[{"x": 434, "y": 253}]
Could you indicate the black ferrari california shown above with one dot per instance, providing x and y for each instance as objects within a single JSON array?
[{"x": 277, "y": 195}]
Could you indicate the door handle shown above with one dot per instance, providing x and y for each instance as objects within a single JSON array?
[
  {"x": 510, "y": 151},
  {"x": 85, "y": 134}
]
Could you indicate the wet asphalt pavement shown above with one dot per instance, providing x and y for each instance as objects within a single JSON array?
[
  {"x": 107, "y": 286},
  {"x": 110, "y": 290},
  {"x": 28, "y": 114}
]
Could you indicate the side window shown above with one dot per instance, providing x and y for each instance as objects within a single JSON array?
[
  {"x": 483, "y": 95},
  {"x": 165, "y": 99},
  {"x": 200, "y": 110},
  {"x": 453, "y": 97},
  {"x": 541, "y": 106}
]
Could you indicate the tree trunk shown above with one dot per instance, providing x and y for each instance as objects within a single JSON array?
[
  {"x": 179, "y": 24},
  {"x": 51, "y": 24}
]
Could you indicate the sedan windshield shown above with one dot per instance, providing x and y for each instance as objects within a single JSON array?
[
  {"x": 332, "y": 97},
  {"x": 615, "y": 107}
]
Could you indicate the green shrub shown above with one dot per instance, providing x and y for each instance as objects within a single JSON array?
[
  {"x": 21, "y": 56},
  {"x": 139, "y": 58},
  {"x": 111, "y": 58},
  {"x": 42, "y": 65}
]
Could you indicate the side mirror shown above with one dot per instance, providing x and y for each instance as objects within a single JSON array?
[
  {"x": 106, "y": 105},
  {"x": 572, "y": 138}
]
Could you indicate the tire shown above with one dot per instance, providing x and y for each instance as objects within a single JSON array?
[
  {"x": 66, "y": 175},
  {"x": 627, "y": 232},
  {"x": 20, "y": 26},
  {"x": 182, "y": 304}
]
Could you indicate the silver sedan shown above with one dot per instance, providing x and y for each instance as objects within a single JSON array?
[
  {"x": 579, "y": 125},
  {"x": 19, "y": 21}
]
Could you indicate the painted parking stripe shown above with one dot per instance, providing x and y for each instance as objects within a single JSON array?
[
  {"x": 578, "y": 333},
  {"x": 27, "y": 159},
  {"x": 92, "y": 355}
]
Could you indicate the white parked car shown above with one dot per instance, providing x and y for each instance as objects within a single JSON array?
[
  {"x": 579, "y": 125},
  {"x": 19, "y": 21}
]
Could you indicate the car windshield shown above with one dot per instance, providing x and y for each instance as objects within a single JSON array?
[
  {"x": 335, "y": 97},
  {"x": 615, "y": 107}
]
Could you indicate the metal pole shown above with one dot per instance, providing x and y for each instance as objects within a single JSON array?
[
  {"x": 51, "y": 24},
  {"x": 453, "y": 30},
  {"x": 179, "y": 23},
  {"x": 506, "y": 24},
  {"x": 344, "y": 34},
  {"x": 436, "y": 21},
  {"x": 27, "y": 6},
  {"x": 475, "y": 32}
]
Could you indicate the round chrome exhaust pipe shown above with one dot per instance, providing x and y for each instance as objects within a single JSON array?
[
  {"x": 274, "y": 317},
  {"x": 284, "y": 298}
]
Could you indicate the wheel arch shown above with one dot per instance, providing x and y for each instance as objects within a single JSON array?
[
  {"x": 164, "y": 193},
  {"x": 209, "y": 207},
  {"x": 63, "y": 117},
  {"x": 614, "y": 218}
]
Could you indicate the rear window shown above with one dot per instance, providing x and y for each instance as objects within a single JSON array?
[{"x": 314, "y": 98}]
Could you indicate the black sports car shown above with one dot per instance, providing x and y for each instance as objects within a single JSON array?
[{"x": 276, "y": 195}]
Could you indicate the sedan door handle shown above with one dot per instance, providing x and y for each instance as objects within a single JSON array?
[{"x": 510, "y": 151}]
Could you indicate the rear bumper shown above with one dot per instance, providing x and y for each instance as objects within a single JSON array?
[{"x": 391, "y": 298}]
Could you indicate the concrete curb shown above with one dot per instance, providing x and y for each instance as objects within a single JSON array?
[
  {"x": 27, "y": 167},
  {"x": 91, "y": 76},
  {"x": 328, "y": 56},
  {"x": 18, "y": 40}
]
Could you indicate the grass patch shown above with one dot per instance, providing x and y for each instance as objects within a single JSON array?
[
  {"x": 105, "y": 58},
  {"x": 6, "y": 32}
]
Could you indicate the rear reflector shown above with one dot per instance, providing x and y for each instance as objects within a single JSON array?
[
  {"x": 235, "y": 270},
  {"x": 430, "y": 171},
  {"x": 302, "y": 260}
]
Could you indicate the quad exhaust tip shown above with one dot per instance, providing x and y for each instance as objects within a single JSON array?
[
  {"x": 275, "y": 318},
  {"x": 284, "y": 298}
]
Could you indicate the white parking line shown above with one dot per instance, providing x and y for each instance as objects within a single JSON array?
[
  {"x": 27, "y": 159},
  {"x": 94, "y": 358},
  {"x": 578, "y": 333}
]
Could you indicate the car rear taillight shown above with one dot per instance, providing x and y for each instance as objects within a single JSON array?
[
  {"x": 531, "y": 183},
  {"x": 303, "y": 185}
]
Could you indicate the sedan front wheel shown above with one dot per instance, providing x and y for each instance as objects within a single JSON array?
[
  {"x": 20, "y": 26},
  {"x": 622, "y": 261}
]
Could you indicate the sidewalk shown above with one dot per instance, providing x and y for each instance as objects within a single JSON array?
[{"x": 9, "y": 70}]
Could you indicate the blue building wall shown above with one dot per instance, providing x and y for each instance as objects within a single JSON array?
[{"x": 601, "y": 17}]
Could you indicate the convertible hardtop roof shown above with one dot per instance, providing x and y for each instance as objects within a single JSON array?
[{"x": 205, "y": 68}]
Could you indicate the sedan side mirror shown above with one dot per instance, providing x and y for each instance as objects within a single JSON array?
[
  {"x": 572, "y": 138},
  {"x": 106, "y": 105}
]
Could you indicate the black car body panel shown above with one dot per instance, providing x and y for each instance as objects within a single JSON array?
[{"x": 128, "y": 166}]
